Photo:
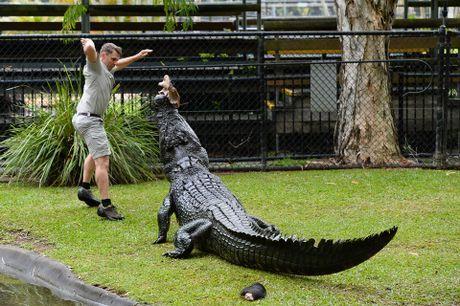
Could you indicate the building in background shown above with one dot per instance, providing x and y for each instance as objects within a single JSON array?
[
  {"x": 270, "y": 9},
  {"x": 322, "y": 8}
]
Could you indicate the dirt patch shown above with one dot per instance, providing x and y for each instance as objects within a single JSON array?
[{"x": 23, "y": 238}]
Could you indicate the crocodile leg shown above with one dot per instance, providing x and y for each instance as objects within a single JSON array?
[
  {"x": 163, "y": 217},
  {"x": 187, "y": 235},
  {"x": 269, "y": 229}
]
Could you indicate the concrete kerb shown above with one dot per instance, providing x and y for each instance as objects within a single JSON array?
[{"x": 42, "y": 271}]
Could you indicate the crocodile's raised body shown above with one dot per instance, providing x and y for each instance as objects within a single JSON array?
[{"x": 212, "y": 219}]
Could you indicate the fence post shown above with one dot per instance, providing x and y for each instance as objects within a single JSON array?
[
  {"x": 446, "y": 81},
  {"x": 406, "y": 9},
  {"x": 434, "y": 9},
  {"x": 440, "y": 150},
  {"x": 85, "y": 23},
  {"x": 259, "y": 15},
  {"x": 446, "y": 93},
  {"x": 263, "y": 108},
  {"x": 244, "y": 19},
  {"x": 401, "y": 132}
]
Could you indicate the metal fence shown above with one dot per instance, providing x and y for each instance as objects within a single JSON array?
[{"x": 258, "y": 100}]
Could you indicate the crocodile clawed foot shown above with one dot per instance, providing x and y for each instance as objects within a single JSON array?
[
  {"x": 160, "y": 239},
  {"x": 174, "y": 254}
]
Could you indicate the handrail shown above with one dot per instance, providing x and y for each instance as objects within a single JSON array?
[
  {"x": 427, "y": 3},
  {"x": 124, "y": 10},
  {"x": 330, "y": 23},
  {"x": 111, "y": 26},
  {"x": 207, "y": 34}
]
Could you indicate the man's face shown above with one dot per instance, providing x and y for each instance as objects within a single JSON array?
[{"x": 110, "y": 59}]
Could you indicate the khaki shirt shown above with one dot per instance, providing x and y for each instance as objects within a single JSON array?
[{"x": 98, "y": 88}]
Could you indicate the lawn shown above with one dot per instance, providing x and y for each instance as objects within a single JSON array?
[{"x": 420, "y": 266}]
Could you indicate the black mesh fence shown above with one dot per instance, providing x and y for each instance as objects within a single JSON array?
[{"x": 267, "y": 100}]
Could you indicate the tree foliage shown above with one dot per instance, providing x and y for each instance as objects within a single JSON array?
[
  {"x": 71, "y": 16},
  {"x": 175, "y": 8},
  {"x": 172, "y": 8}
]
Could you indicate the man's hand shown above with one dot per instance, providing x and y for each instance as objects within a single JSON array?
[
  {"x": 87, "y": 42},
  {"x": 144, "y": 53}
]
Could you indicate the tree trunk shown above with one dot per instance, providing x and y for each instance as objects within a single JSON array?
[{"x": 365, "y": 133}]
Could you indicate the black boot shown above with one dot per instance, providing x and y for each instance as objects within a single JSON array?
[
  {"x": 109, "y": 212},
  {"x": 87, "y": 196}
]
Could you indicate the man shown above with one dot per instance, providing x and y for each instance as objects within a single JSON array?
[{"x": 99, "y": 81}]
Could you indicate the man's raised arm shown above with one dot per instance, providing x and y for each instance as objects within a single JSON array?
[
  {"x": 89, "y": 49},
  {"x": 123, "y": 62}
]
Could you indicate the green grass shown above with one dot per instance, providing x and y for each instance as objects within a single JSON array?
[{"x": 420, "y": 266}]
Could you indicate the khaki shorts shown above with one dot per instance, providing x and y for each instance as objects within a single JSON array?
[{"x": 92, "y": 130}]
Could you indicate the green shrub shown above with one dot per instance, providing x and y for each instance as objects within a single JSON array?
[{"x": 48, "y": 151}]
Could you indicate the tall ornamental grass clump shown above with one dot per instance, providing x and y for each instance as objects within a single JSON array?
[{"x": 47, "y": 150}]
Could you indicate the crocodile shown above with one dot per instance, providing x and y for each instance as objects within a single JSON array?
[{"x": 212, "y": 219}]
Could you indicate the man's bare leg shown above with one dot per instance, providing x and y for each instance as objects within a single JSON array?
[
  {"x": 88, "y": 168},
  {"x": 84, "y": 192},
  {"x": 106, "y": 209},
  {"x": 102, "y": 176}
]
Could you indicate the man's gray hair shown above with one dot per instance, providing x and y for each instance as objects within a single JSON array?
[{"x": 109, "y": 48}]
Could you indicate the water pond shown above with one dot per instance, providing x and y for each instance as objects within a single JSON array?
[{"x": 14, "y": 292}]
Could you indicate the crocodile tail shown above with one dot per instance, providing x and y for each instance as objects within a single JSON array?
[{"x": 303, "y": 257}]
